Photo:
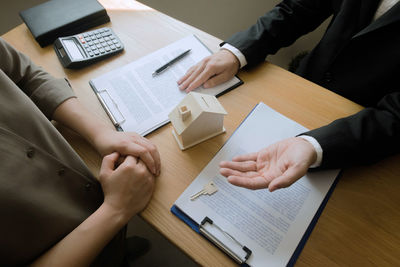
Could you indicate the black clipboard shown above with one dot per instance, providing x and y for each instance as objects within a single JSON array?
[{"x": 102, "y": 94}]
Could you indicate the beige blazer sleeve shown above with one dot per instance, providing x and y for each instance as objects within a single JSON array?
[{"x": 43, "y": 89}]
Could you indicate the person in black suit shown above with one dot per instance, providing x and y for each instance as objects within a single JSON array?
[{"x": 358, "y": 57}]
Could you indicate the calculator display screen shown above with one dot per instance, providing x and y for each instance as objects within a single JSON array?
[
  {"x": 73, "y": 50},
  {"x": 62, "y": 51}
]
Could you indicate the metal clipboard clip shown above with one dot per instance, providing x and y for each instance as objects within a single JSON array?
[
  {"x": 116, "y": 122},
  {"x": 220, "y": 245}
]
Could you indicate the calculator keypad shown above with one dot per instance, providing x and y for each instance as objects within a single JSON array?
[
  {"x": 99, "y": 42},
  {"x": 83, "y": 49}
]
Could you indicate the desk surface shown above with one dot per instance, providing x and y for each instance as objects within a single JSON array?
[{"x": 360, "y": 224}]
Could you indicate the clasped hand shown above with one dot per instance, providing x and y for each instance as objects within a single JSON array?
[
  {"x": 127, "y": 187},
  {"x": 127, "y": 172},
  {"x": 277, "y": 166},
  {"x": 129, "y": 143}
]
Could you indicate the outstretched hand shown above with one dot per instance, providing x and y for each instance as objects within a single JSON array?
[
  {"x": 211, "y": 71},
  {"x": 277, "y": 166}
]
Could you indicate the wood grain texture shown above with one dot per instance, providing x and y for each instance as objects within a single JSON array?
[{"x": 360, "y": 224}]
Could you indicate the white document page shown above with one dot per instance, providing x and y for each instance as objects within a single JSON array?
[
  {"x": 141, "y": 102},
  {"x": 271, "y": 225}
]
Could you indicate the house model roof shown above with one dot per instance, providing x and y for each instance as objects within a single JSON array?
[{"x": 191, "y": 107}]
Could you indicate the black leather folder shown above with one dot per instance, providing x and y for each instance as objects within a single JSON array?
[{"x": 57, "y": 18}]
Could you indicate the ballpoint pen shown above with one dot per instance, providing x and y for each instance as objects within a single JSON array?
[{"x": 169, "y": 63}]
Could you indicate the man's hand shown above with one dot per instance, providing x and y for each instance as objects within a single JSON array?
[
  {"x": 211, "y": 71},
  {"x": 277, "y": 166},
  {"x": 128, "y": 187},
  {"x": 108, "y": 141}
]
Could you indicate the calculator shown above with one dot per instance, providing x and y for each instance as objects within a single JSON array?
[{"x": 83, "y": 49}]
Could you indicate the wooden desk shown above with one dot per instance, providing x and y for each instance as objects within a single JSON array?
[{"x": 360, "y": 224}]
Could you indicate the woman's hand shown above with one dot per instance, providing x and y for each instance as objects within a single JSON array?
[
  {"x": 128, "y": 187},
  {"x": 128, "y": 143}
]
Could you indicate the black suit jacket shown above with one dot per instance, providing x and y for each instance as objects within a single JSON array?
[{"x": 357, "y": 58}]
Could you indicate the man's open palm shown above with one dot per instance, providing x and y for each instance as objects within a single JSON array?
[{"x": 274, "y": 167}]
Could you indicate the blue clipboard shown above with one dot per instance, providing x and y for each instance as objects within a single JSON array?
[{"x": 197, "y": 228}]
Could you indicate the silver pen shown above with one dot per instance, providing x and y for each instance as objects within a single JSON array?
[{"x": 169, "y": 63}]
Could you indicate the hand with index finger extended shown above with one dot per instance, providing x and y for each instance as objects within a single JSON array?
[{"x": 211, "y": 71}]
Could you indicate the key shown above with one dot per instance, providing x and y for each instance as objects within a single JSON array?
[{"x": 208, "y": 189}]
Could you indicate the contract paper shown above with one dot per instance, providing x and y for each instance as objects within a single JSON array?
[
  {"x": 141, "y": 102},
  {"x": 271, "y": 225}
]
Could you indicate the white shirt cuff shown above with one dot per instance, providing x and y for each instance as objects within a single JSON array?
[
  {"x": 237, "y": 53},
  {"x": 317, "y": 148}
]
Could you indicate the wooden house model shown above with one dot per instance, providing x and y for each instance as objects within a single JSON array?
[{"x": 197, "y": 118}]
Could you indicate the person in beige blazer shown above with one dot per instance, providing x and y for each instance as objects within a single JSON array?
[{"x": 54, "y": 211}]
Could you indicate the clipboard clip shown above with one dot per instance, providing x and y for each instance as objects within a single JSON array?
[
  {"x": 107, "y": 109},
  {"x": 220, "y": 245}
]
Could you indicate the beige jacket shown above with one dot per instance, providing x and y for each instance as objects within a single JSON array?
[{"x": 46, "y": 190}]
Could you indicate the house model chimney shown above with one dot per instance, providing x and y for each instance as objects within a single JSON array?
[
  {"x": 196, "y": 118},
  {"x": 184, "y": 112}
]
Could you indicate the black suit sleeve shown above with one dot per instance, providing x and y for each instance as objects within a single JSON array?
[
  {"x": 362, "y": 138},
  {"x": 280, "y": 28}
]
